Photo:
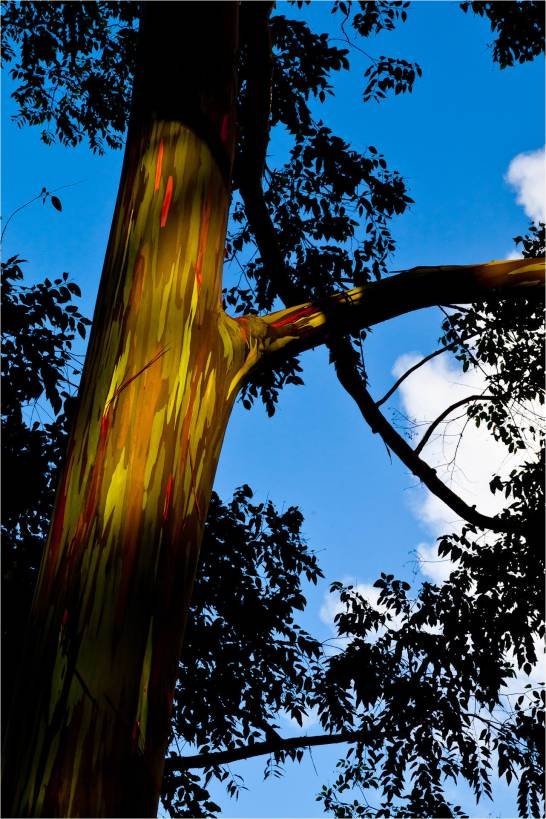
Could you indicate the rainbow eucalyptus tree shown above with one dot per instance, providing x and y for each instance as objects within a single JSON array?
[{"x": 90, "y": 724}]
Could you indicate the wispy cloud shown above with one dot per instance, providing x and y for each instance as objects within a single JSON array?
[{"x": 527, "y": 175}]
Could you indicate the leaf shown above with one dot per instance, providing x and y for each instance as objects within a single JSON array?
[
  {"x": 56, "y": 202},
  {"x": 73, "y": 287}
]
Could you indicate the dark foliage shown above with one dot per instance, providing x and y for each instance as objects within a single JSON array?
[
  {"x": 245, "y": 658},
  {"x": 39, "y": 325},
  {"x": 508, "y": 346},
  {"x": 73, "y": 63},
  {"x": 429, "y": 689},
  {"x": 518, "y": 26}
]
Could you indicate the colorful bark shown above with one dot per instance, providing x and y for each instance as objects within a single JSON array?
[
  {"x": 299, "y": 328},
  {"x": 114, "y": 589},
  {"x": 91, "y": 721}
]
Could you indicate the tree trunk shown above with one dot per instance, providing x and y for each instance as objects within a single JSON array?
[{"x": 90, "y": 725}]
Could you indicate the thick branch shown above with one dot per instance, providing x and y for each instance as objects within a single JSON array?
[
  {"x": 445, "y": 413},
  {"x": 249, "y": 169},
  {"x": 206, "y": 760},
  {"x": 256, "y": 103},
  {"x": 308, "y": 325}
]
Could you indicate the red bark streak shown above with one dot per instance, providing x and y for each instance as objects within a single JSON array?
[
  {"x": 243, "y": 326},
  {"x": 137, "y": 286},
  {"x": 166, "y": 202},
  {"x": 104, "y": 425},
  {"x": 203, "y": 236},
  {"x": 293, "y": 317},
  {"x": 136, "y": 375},
  {"x": 58, "y": 522},
  {"x": 168, "y": 492},
  {"x": 96, "y": 477},
  {"x": 158, "y": 166}
]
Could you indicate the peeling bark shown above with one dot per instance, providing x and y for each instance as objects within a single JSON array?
[{"x": 91, "y": 721}]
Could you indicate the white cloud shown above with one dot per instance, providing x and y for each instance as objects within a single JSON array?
[
  {"x": 514, "y": 254},
  {"x": 466, "y": 464},
  {"x": 527, "y": 174},
  {"x": 432, "y": 565}
]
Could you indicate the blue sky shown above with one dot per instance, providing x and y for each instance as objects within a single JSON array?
[{"x": 453, "y": 140}]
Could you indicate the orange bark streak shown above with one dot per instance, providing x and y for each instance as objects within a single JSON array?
[
  {"x": 166, "y": 202},
  {"x": 158, "y": 166}
]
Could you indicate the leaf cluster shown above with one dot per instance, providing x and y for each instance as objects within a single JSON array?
[
  {"x": 508, "y": 349},
  {"x": 424, "y": 679},
  {"x": 245, "y": 657},
  {"x": 73, "y": 64},
  {"x": 39, "y": 326},
  {"x": 519, "y": 29}
]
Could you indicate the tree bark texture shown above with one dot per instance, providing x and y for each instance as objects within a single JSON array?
[{"x": 91, "y": 722}]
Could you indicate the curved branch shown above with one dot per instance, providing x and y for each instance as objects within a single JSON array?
[
  {"x": 298, "y": 328},
  {"x": 205, "y": 760},
  {"x": 411, "y": 370},
  {"x": 445, "y": 413},
  {"x": 352, "y": 382}
]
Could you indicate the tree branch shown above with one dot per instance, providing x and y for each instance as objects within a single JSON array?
[
  {"x": 446, "y": 412},
  {"x": 256, "y": 106},
  {"x": 298, "y": 328},
  {"x": 308, "y": 325},
  {"x": 411, "y": 370},
  {"x": 209, "y": 759},
  {"x": 349, "y": 378}
]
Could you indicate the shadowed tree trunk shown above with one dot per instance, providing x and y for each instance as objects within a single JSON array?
[
  {"x": 92, "y": 716},
  {"x": 90, "y": 723}
]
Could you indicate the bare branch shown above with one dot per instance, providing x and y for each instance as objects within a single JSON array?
[
  {"x": 209, "y": 759},
  {"x": 411, "y": 370},
  {"x": 446, "y": 412},
  {"x": 350, "y": 379}
]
